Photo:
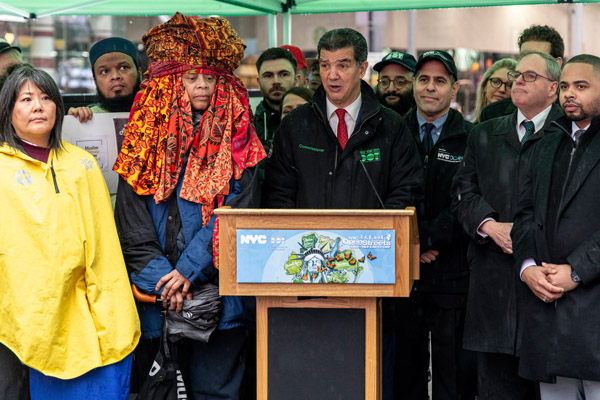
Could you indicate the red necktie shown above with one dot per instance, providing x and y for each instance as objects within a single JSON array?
[{"x": 342, "y": 128}]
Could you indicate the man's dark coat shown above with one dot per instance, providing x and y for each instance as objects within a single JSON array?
[
  {"x": 487, "y": 186},
  {"x": 438, "y": 227},
  {"x": 309, "y": 169},
  {"x": 562, "y": 338}
]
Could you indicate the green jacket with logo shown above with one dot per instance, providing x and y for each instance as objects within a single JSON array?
[
  {"x": 309, "y": 169},
  {"x": 438, "y": 228}
]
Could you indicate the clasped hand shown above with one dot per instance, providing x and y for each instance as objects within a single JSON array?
[
  {"x": 176, "y": 290},
  {"x": 549, "y": 281}
]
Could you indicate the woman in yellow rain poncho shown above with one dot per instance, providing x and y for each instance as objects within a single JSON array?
[{"x": 66, "y": 309}]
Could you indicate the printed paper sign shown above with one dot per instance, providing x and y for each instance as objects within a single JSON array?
[
  {"x": 102, "y": 137},
  {"x": 333, "y": 256}
]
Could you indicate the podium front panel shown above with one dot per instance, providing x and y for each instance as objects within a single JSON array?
[
  {"x": 317, "y": 348},
  {"x": 316, "y": 353},
  {"x": 381, "y": 224}
]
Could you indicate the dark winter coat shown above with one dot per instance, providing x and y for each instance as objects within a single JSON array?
[
  {"x": 309, "y": 169},
  {"x": 266, "y": 122},
  {"x": 156, "y": 238},
  {"x": 487, "y": 185},
  {"x": 562, "y": 338},
  {"x": 438, "y": 228}
]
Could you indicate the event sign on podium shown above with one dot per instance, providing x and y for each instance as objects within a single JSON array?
[{"x": 317, "y": 276}]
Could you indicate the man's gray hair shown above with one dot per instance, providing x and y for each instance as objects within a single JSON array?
[{"x": 552, "y": 67}]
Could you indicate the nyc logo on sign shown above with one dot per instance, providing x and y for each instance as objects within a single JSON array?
[
  {"x": 370, "y": 155},
  {"x": 253, "y": 239}
]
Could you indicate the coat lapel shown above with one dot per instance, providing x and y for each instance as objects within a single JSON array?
[
  {"x": 586, "y": 164},
  {"x": 507, "y": 128},
  {"x": 544, "y": 172}
]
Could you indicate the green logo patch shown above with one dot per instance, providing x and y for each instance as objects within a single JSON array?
[{"x": 370, "y": 155}]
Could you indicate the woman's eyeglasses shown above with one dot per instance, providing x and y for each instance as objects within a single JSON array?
[{"x": 497, "y": 82}]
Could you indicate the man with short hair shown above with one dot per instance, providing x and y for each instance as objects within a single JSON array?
[
  {"x": 302, "y": 66},
  {"x": 318, "y": 150},
  {"x": 543, "y": 39},
  {"x": 116, "y": 75},
  {"x": 9, "y": 55},
  {"x": 319, "y": 157},
  {"x": 485, "y": 194},
  {"x": 277, "y": 72},
  {"x": 437, "y": 303},
  {"x": 556, "y": 238},
  {"x": 395, "y": 87}
]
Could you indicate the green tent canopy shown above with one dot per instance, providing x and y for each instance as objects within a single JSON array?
[{"x": 42, "y": 8}]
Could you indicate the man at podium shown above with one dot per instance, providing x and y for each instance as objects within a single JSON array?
[{"x": 343, "y": 149}]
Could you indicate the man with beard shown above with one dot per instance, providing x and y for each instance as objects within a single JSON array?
[
  {"x": 117, "y": 77},
  {"x": 394, "y": 88},
  {"x": 277, "y": 72},
  {"x": 556, "y": 244}
]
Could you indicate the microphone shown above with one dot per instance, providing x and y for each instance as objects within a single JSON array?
[{"x": 358, "y": 158}]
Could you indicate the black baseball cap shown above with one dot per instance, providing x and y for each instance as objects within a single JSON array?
[
  {"x": 397, "y": 57},
  {"x": 441, "y": 56},
  {"x": 5, "y": 46}
]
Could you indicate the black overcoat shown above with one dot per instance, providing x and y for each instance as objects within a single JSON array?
[
  {"x": 562, "y": 338},
  {"x": 487, "y": 185}
]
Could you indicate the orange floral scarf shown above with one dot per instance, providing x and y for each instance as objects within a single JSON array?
[{"x": 160, "y": 134}]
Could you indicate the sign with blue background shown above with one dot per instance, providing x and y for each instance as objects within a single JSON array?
[{"x": 299, "y": 256}]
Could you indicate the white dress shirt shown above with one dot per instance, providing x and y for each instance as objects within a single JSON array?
[
  {"x": 351, "y": 115},
  {"x": 538, "y": 121}
]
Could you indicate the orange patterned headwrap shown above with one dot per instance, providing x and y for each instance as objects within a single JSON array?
[{"x": 160, "y": 133}]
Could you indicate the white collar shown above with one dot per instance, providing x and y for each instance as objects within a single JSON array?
[
  {"x": 352, "y": 109},
  {"x": 538, "y": 120}
]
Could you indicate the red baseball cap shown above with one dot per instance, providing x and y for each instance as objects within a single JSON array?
[{"x": 298, "y": 55}]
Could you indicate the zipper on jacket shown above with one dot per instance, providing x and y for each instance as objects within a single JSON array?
[
  {"x": 54, "y": 177},
  {"x": 570, "y": 156}
]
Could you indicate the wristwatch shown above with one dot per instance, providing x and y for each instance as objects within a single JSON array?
[{"x": 575, "y": 277}]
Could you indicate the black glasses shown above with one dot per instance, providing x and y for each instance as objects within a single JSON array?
[
  {"x": 497, "y": 83},
  {"x": 528, "y": 76},
  {"x": 398, "y": 82}
]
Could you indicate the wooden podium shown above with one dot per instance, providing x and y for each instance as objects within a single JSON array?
[{"x": 318, "y": 340}]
